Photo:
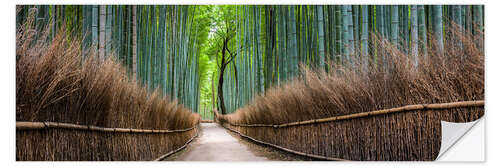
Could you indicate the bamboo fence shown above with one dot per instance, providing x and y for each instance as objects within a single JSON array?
[
  {"x": 176, "y": 150},
  {"x": 411, "y": 132},
  {"x": 21, "y": 125},
  {"x": 54, "y": 141},
  {"x": 285, "y": 149}
]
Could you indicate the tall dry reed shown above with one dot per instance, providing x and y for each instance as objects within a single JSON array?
[{"x": 54, "y": 83}]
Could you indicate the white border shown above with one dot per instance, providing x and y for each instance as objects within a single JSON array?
[{"x": 7, "y": 70}]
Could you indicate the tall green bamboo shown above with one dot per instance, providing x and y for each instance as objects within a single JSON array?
[
  {"x": 350, "y": 34},
  {"x": 405, "y": 29},
  {"x": 438, "y": 26},
  {"x": 270, "y": 44},
  {"x": 94, "y": 27},
  {"x": 293, "y": 39},
  {"x": 109, "y": 16},
  {"x": 356, "y": 30},
  {"x": 394, "y": 25},
  {"x": 414, "y": 33},
  {"x": 422, "y": 30},
  {"x": 364, "y": 34},
  {"x": 345, "y": 34},
  {"x": 321, "y": 38},
  {"x": 134, "y": 42},
  {"x": 102, "y": 30}
]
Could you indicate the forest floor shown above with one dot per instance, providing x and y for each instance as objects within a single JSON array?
[{"x": 215, "y": 143}]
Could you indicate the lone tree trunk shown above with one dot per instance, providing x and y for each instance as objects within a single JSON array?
[
  {"x": 221, "y": 77},
  {"x": 220, "y": 91},
  {"x": 213, "y": 96},
  {"x": 223, "y": 64}
]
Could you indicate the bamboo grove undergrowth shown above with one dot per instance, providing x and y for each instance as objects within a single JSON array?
[
  {"x": 386, "y": 57},
  {"x": 55, "y": 85},
  {"x": 148, "y": 66},
  {"x": 158, "y": 44},
  {"x": 180, "y": 49},
  {"x": 272, "y": 42}
]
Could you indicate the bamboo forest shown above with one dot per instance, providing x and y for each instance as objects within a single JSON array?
[{"x": 305, "y": 82}]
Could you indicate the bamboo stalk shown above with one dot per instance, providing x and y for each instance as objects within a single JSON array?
[
  {"x": 416, "y": 107},
  {"x": 24, "y": 125}
]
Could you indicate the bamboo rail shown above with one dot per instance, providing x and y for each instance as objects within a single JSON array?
[
  {"x": 415, "y": 107},
  {"x": 23, "y": 126}
]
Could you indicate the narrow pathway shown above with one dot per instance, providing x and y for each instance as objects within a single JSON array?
[{"x": 216, "y": 144}]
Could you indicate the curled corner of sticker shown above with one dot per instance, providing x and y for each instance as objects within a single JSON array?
[{"x": 451, "y": 133}]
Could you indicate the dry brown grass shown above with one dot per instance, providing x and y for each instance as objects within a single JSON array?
[
  {"x": 455, "y": 75},
  {"x": 53, "y": 83}
]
